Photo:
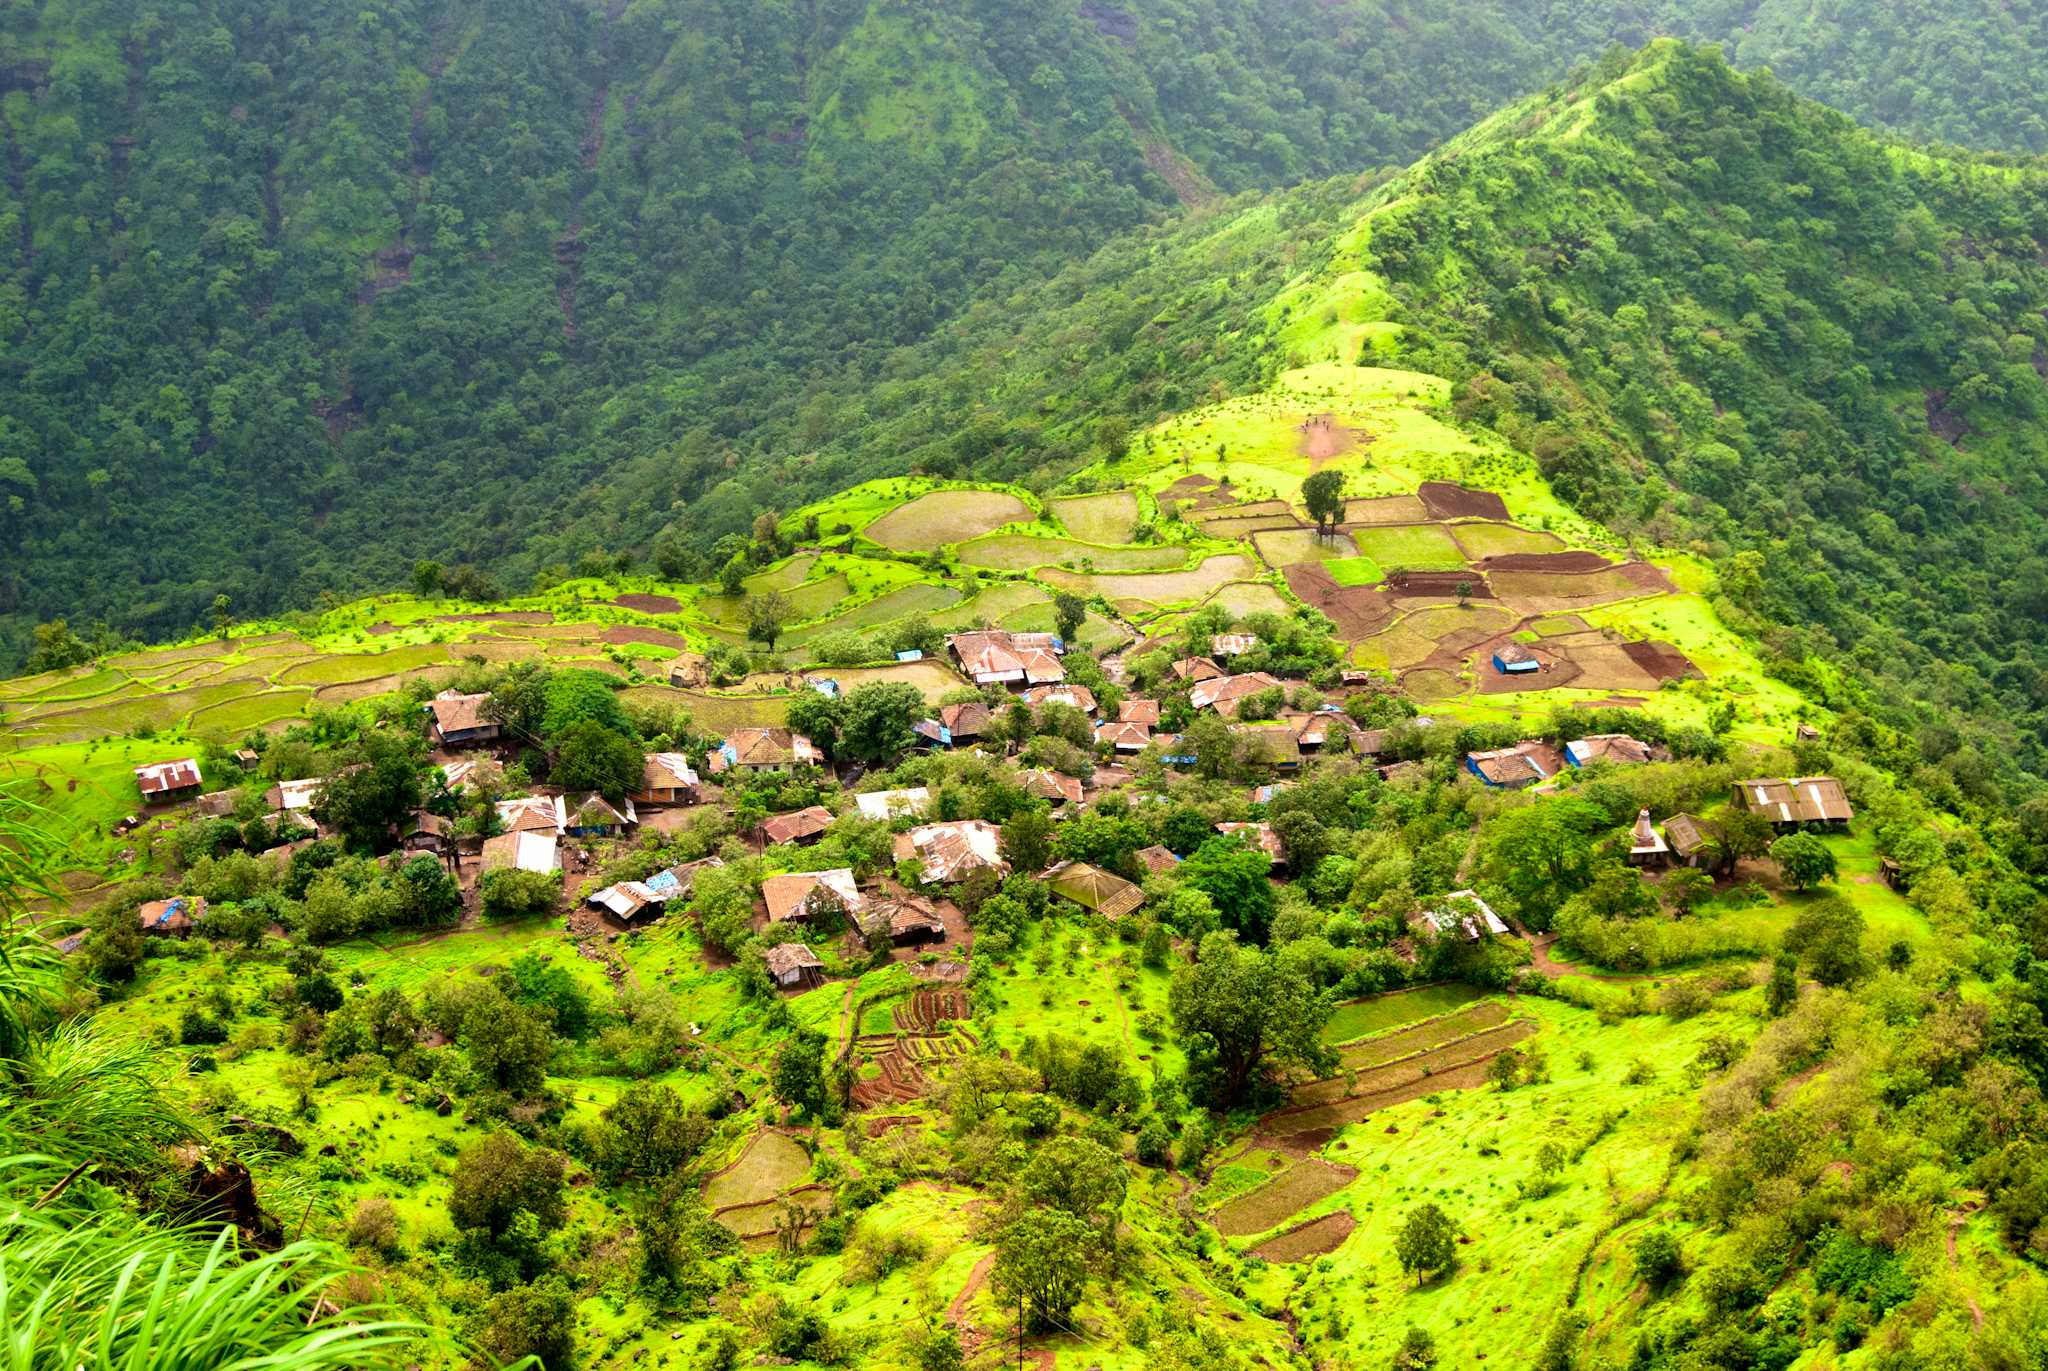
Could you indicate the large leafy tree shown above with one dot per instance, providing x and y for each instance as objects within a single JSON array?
[
  {"x": 876, "y": 723},
  {"x": 1244, "y": 1017},
  {"x": 1543, "y": 854},
  {"x": 1236, "y": 878}
]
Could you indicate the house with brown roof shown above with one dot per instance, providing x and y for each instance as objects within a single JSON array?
[
  {"x": 1011, "y": 660},
  {"x": 174, "y": 917},
  {"x": 963, "y": 722},
  {"x": 902, "y": 921},
  {"x": 1124, "y": 735},
  {"x": 428, "y": 833},
  {"x": 1073, "y": 696},
  {"x": 160, "y": 781},
  {"x": 472, "y": 772},
  {"x": 1048, "y": 784},
  {"x": 793, "y": 966},
  {"x": 667, "y": 778},
  {"x": 760, "y": 751},
  {"x": 457, "y": 720},
  {"x": 953, "y": 851},
  {"x": 534, "y": 814},
  {"x": 591, "y": 815},
  {"x": 1095, "y": 890},
  {"x": 1260, "y": 836},
  {"x": 1196, "y": 669},
  {"x": 1157, "y": 859},
  {"x": 1222, "y": 693},
  {"x": 801, "y": 895},
  {"x": 1607, "y": 747},
  {"x": 1801, "y": 800},
  {"x": 803, "y": 827},
  {"x": 1133, "y": 711},
  {"x": 630, "y": 900},
  {"x": 1512, "y": 768},
  {"x": 1321, "y": 730}
]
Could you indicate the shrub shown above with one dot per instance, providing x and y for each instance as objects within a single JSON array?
[{"x": 512, "y": 894}]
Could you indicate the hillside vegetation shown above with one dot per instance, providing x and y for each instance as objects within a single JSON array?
[{"x": 297, "y": 294}]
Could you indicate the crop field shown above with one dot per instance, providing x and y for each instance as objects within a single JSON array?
[
  {"x": 934, "y": 678},
  {"x": 1022, "y": 552},
  {"x": 231, "y": 719},
  {"x": 1287, "y": 1194},
  {"x": 772, "y": 1163},
  {"x": 361, "y": 666},
  {"x": 722, "y": 713},
  {"x": 1385, "y": 509},
  {"x": 1161, "y": 588},
  {"x": 1418, "y": 547},
  {"x": 920, "y": 597},
  {"x": 784, "y": 575},
  {"x": 1480, "y": 540},
  {"x": 1364, "y": 1018},
  {"x": 946, "y": 516},
  {"x": 1110, "y": 517},
  {"x": 1251, "y": 597},
  {"x": 1284, "y": 546},
  {"x": 1355, "y": 571}
]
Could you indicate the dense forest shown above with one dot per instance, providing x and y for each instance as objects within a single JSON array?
[{"x": 301, "y": 293}]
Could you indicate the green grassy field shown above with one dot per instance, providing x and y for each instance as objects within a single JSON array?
[{"x": 1412, "y": 547}]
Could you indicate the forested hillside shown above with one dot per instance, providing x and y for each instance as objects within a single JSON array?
[{"x": 301, "y": 293}]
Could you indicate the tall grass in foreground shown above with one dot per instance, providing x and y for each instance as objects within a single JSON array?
[{"x": 89, "y": 1280}]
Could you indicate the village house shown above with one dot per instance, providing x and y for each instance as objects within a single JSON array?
[
  {"x": 1074, "y": 696},
  {"x": 457, "y": 720},
  {"x": 173, "y": 917},
  {"x": 885, "y": 805},
  {"x": 1048, "y": 784},
  {"x": 1124, "y": 736},
  {"x": 1607, "y": 747},
  {"x": 1222, "y": 693},
  {"x": 630, "y": 900},
  {"x": 951, "y": 852},
  {"x": 534, "y": 814},
  {"x": 930, "y": 733},
  {"x": 1196, "y": 669},
  {"x": 802, "y": 828},
  {"x": 902, "y": 920},
  {"x": 1136, "y": 711},
  {"x": 248, "y": 758},
  {"x": 427, "y": 832},
  {"x": 1512, "y": 768},
  {"x": 1513, "y": 659},
  {"x": 1095, "y": 890},
  {"x": 161, "y": 781},
  {"x": 1461, "y": 912},
  {"x": 1232, "y": 644},
  {"x": 801, "y": 895},
  {"x": 667, "y": 778},
  {"x": 1320, "y": 729},
  {"x": 1014, "y": 661},
  {"x": 1646, "y": 845},
  {"x": 964, "y": 723},
  {"x": 1688, "y": 838},
  {"x": 679, "y": 882},
  {"x": 593, "y": 816},
  {"x": 763, "y": 751},
  {"x": 1156, "y": 859},
  {"x": 295, "y": 797},
  {"x": 486, "y": 772},
  {"x": 525, "y": 850},
  {"x": 1260, "y": 836},
  {"x": 1802, "y": 800},
  {"x": 793, "y": 966}
]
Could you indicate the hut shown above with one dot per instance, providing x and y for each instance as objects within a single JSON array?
[{"x": 793, "y": 966}]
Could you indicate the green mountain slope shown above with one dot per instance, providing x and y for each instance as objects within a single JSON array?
[{"x": 302, "y": 293}]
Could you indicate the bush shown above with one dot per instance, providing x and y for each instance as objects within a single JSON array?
[
  {"x": 1658, "y": 1258},
  {"x": 512, "y": 894},
  {"x": 1155, "y": 1144}
]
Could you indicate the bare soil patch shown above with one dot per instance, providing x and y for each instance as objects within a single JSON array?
[
  {"x": 650, "y": 604},
  {"x": 1323, "y": 439},
  {"x": 946, "y": 516},
  {"x": 1316, "y": 1238},
  {"x": 1385, "y": 509},
  {"x": 1250, "y": 524},
  {"x": 1199, "y": 491},
  {"x": 1407, "y": 584},
  {"x": 653, "y": 637},
  {"x": 1357, "y": 611},
  {"x": 1446, "y": 500},
  {"x": 1290, "y": 1192},
  {"x": 1545, "y": 561},
  {"x": 1661, "y": 660}
]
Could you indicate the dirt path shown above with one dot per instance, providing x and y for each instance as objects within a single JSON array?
[
  {"x": 975, "y": 1280},
  {"x": 1955, "y": 1226}
]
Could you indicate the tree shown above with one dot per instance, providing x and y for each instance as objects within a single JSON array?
[
  {"x": 57, "y": 647},
  {"x": 1234, "y": 875},
  {"x": 426, "y": 578},
  {"x": 590, "y": 756},
  {"x": 1417, "y": 1351},
  {"x": 367, "y": 800},
  {"x": 1242, "y": 1016},
  {"x": 1323, "y": 493},
  {"x": 1828, "y": 938},
  {"x": 1078, "y": 1177},
  {"x": 577, "y": 695},
  {"x": 508, "y": 1045},
  {"x": 1068, "y": 612},
  {"x": 647, "y": 1135},
  {"x": 1027, "y": 839},
  {"x": 509, "y": 893},
  {"x": 766, "y": 614},
  {"x": 498, "y": 1178},
  {"x": 1042, "y": 1264},
  {"x": 1805, "y": 860},
  {"x": 816, "y": 715},
  {"x": 428, "y": 895},
  {"x": 799, "y": 1076},
  {"x": 877, "y": 720},
  {"x": 536, "y": 1321},
  {"x": 1733, "y": 833},
  {"x": 1426, "y": 1242},
  {"x": 1543, "y": 854},
  {"x": 732, "y": 577},
  {"x": 1658, "y": 1258},
  {"x": 1783, "y": 991}
]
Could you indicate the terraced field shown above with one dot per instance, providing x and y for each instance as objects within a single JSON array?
[
  {"x": 946, "y": 516},
  {"x": 1022, "y": 552},
  {"x": 1110, "y": 517},
  {"x": 1161, "y": 589}
]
